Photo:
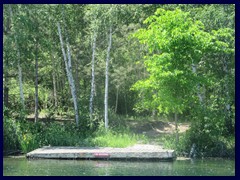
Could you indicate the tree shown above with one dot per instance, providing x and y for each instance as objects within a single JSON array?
[
  {"x": 69, "y": 73},
  {"x": 176, "y": 44},
  {"x": 93, "y": 75},
  {"x": 106, "y": 79},
  {"x": 92, "y": 14}
]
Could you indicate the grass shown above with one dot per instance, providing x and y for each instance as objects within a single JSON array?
[
  {"x": 31, "y": 136},
  {"x": 112, "y": 138}
]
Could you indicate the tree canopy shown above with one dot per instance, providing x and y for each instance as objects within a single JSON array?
[{"x": 177, "y": 45}]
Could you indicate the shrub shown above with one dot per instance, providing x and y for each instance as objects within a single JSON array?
[
  {"x": 11, "y": 133},
  {"x": 28, "y": 142}
]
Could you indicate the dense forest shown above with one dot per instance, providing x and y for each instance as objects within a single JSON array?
[{"x": 75, "y": 74}]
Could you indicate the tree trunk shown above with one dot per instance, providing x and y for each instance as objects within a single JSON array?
[
  {"x": 125, "y": 99},
  {"x": 5, "y": 88},
  {"x": 116, "y": 105},
  {"x": 54, "y": 81},
  {"x": 69, "y": 68},
  {"x": 77, "y": 84},
  {"x": 93, "y": 76},
  {"x": 176, "y": 127},
  {"x": 36, "y": 85},
  {"x": 73, "y": 89},
  {"x": 54, "y": 90},
  {"x": 69, "y": 73},
  {"x": 106, "y": 80},
  {"x": 57, "y": 85}
]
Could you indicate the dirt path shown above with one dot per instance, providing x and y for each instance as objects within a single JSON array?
[{"x": 155, "y": 129}]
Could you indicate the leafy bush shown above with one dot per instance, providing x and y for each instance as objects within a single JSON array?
[
  {"x": 206, "y": 144},
  {"x": 183, "y": 146},
  {"x": 28, "y": 142},
  {"x": 210, "y": 145},
  {"x": 11, "y": 133},
  {"x": 62, "y": 135}
]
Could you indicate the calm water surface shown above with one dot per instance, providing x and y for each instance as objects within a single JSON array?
[{"x": 40, "y": 167}]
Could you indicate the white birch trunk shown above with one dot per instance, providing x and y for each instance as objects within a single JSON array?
[
  {"x": 93, "y": 76},
  {"x": 73, "y": 89},
  {"x": 106, "y": 80},
  {"x": 76, "y": 76},
  {"x": 54, "y": 80},
  {"x": 69, "y": 73},
  {"x": 69, "y": 57},
  {"x": 36, "y": 86}
]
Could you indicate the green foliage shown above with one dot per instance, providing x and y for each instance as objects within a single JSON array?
[
  {"x": 28, "y": 142},
  {"x": 157, "y": 64},
  {"x": 60, "y": 135},
  {"x": 206, "y": 144},
  {"x": 11, "y": 132},
  {"x": 175, "y": 42},
  {"x": 208, "y": 132},
  {"x": 110, "y": 138},
  {"x": 183, "y": 146},
  {"x": 28, "y": 136}
]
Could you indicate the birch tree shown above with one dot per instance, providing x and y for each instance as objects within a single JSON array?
[
  {"x": 93, "y": 75},
  {"x": 54, "y": 83},
  {"x": 106, "y": 78},
  {"x": 69, "y": 73},
  {"x": 91, "y": 15}
]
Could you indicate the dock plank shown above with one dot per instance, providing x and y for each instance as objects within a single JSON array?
[{"x": 133, "y": 152}]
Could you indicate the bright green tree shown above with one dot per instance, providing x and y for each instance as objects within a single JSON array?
[{"x": 176, "y": 46}]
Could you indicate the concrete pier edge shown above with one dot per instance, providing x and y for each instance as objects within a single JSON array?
[{"x": 137, "y": 152}]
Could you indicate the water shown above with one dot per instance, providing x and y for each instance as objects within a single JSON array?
[{"x": 41, "y": 167}]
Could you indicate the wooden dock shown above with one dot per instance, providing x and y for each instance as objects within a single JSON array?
[{"x": 145, "y": 152}]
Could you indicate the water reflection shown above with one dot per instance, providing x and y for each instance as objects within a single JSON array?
[{"x": 40, "y": 167}]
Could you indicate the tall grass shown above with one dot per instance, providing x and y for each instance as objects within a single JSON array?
[
  {"x": 120, "y": 138},
  {"x": 31, "y": 136}
]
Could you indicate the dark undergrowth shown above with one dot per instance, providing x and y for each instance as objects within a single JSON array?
[
  {"x": 24, "y": 136},
  {"x": 20, "y": 135}
]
